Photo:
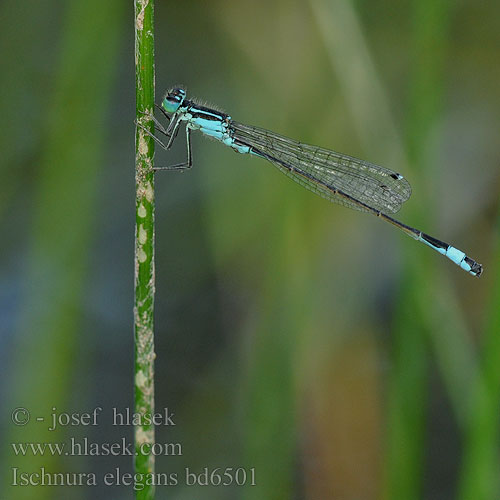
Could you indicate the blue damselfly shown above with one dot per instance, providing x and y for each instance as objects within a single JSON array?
[{"x": 337, "y": 177}]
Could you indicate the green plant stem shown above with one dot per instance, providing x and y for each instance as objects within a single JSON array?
[{"x": 144, "y": 240}]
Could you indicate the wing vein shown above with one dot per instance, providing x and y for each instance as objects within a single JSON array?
[{"x": 328, "y": 172}]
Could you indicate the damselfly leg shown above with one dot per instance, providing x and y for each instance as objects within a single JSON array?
[
  {"x": 171, "y": 132},
  {"x": 188, "y": 163}
]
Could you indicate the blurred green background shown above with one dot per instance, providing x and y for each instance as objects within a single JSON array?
[{"x": 325, "y": 349}]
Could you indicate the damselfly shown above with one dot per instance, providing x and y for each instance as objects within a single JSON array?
[{"x": 337, "y": 177}]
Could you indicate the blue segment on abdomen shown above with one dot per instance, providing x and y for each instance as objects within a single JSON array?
[
  {"x": 458, "y": 257},
  {"x": 454, "y": 254}
]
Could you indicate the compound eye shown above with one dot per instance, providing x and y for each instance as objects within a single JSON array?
[
  {"x": 173, "y": 100},
  {"x": 171, "y": 104}
]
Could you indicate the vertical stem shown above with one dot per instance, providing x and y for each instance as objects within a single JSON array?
[{"x": 144, "y": 240}]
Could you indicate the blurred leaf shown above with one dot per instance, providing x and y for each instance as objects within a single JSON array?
[
  {"x": 479, "y": 478},
  {"x": 62, "y": 230}
]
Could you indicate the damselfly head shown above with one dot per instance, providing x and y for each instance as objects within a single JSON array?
[{"x": 173, "y": 100}]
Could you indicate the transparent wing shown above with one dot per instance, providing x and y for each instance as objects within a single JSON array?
[{"x": 378, "y": 187}]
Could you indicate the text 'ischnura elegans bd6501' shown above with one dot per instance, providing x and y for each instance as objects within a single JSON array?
[{"x": 337, "y": 177}]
